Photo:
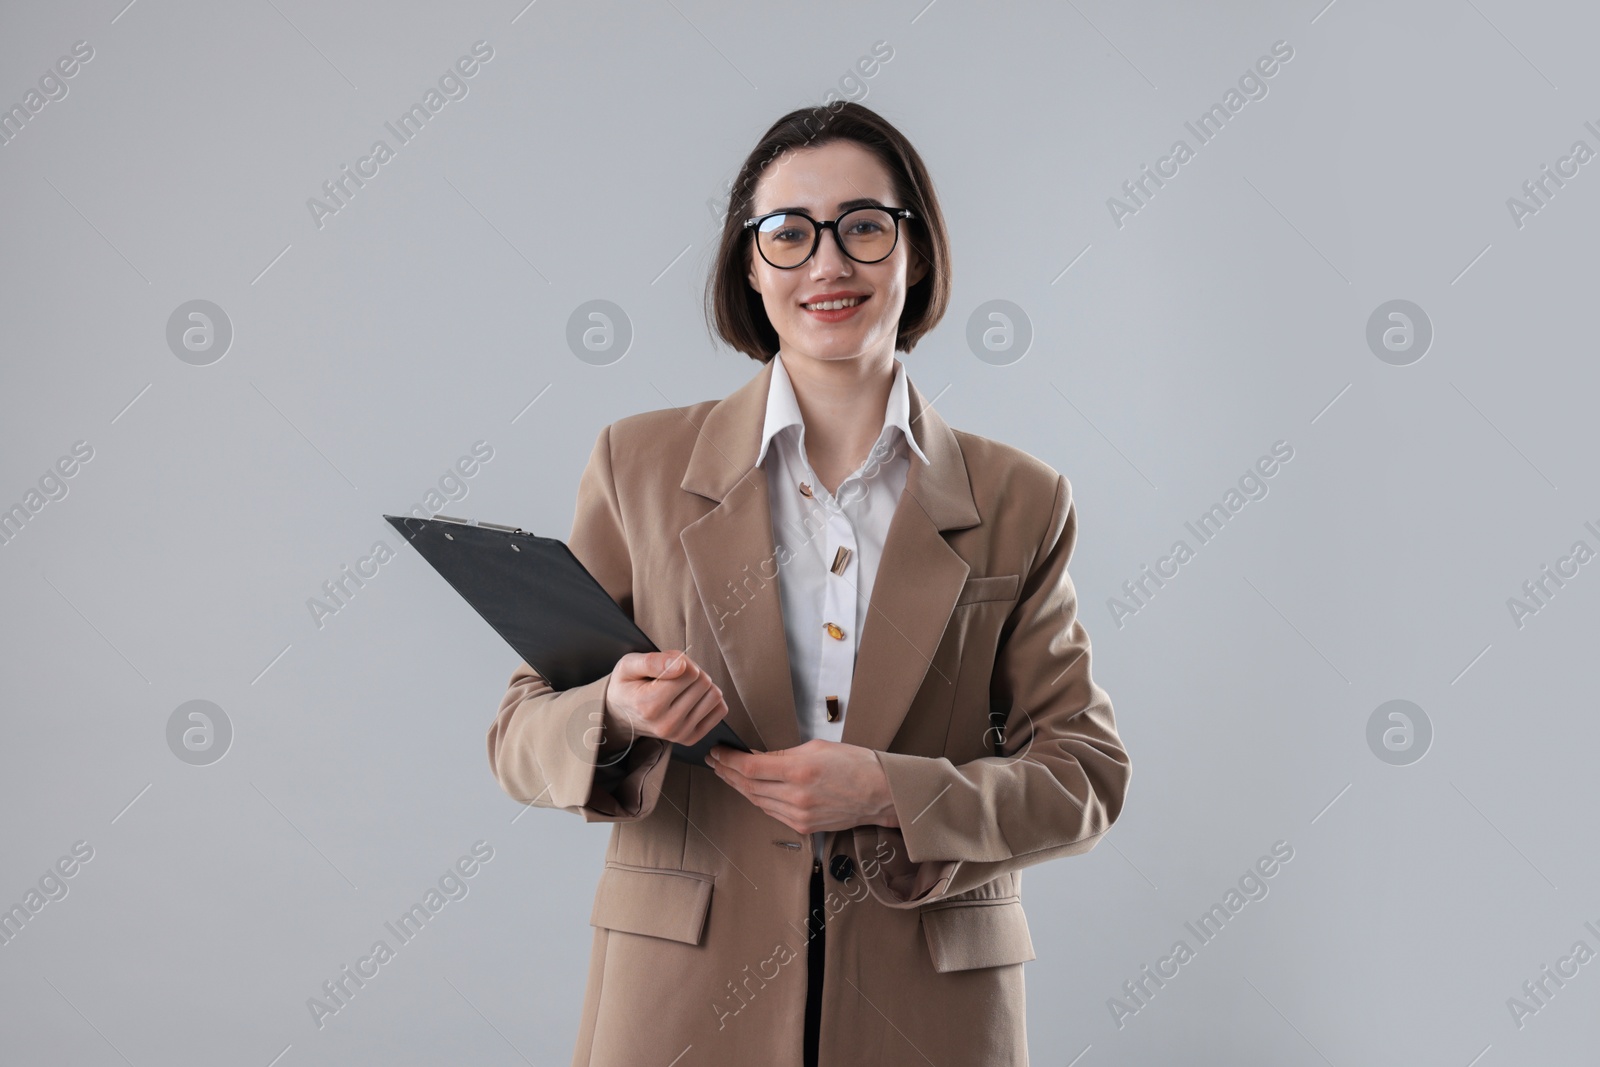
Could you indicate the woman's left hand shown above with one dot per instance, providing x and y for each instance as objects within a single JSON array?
[{"x": 820, "y": 785}]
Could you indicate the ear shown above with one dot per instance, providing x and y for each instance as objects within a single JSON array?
[
  {"x": 916, "y": 268},
  {"x": 750, "y": 273}
]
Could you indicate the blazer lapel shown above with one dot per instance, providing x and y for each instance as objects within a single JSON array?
[
  {"x": 732, "y": 556},
  {"x": 919, "y": 579}
]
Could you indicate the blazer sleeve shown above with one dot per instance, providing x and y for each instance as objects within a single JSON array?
[
  {"x": 1063, "y": 773},
  {"x": 545, "y": 747}
]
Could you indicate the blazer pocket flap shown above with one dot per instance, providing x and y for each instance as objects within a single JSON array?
[
  {"x": 654, "y": 901},
  {"x": 990, "y": 933},
  {"x": 996, "y": 587}
]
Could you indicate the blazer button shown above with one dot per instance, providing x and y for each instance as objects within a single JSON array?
[{"x": 841, "y": 867}]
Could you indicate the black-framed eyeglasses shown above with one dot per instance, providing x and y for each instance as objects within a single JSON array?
[{"x": 788, "y": 239}]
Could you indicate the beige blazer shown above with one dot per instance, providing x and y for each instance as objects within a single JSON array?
[{"x": 699, "y": 952}]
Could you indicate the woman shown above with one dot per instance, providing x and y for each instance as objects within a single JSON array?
[{"x": 879, "y": 606}]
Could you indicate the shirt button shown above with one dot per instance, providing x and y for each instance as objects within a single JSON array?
[
  {"x": 833, "y": 630},
  {"x": 833, "y": 709},
  {"x": 841, "y": 560},
  {"x": 805, "y": 490}
]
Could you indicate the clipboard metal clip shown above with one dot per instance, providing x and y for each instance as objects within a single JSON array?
[{"x": 484, "y": 525}]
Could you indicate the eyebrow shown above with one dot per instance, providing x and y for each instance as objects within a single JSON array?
[{"x": 844, "y": 205}]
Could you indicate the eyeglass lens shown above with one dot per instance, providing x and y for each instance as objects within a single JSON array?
[{"x": 867, "y": 235}]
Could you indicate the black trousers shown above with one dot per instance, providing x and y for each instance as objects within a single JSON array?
[{"x": 814, "y": 960}]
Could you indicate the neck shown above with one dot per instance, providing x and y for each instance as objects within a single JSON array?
[{"x": 842, "y": 402}]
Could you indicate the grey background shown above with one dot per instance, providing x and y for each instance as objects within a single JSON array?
[{"x": 586, "y": 163}]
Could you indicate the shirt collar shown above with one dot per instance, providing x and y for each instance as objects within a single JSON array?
[{"x": 783, "y": 409}]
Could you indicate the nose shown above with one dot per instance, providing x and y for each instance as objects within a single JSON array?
[{"x": 830, "y": 257}]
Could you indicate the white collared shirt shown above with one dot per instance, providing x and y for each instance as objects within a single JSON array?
[{"x": 833, "y": 545}]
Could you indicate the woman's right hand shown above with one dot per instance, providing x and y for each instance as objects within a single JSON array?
[{"x": 661, "y": 694}]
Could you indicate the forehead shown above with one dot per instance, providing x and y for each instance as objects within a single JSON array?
[{"x": 821, "y": 179}]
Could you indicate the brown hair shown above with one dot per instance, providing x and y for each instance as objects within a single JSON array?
[{"x": 734, "y": 310}]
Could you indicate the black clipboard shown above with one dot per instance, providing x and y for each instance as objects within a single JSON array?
[{"x": 538, "y": 596}]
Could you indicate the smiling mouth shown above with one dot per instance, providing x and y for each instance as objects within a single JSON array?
[{"x": 835, "y": 305}]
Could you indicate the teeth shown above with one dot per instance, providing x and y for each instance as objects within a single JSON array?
[{"x": 833, "y": 305}]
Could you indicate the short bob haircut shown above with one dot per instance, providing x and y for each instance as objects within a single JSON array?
[{"x": 735, "y": 311}]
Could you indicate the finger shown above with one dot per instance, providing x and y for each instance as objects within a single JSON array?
[
  {"x": 788, "y": 814},
  {"x": 734, "y": 780},
  {"x": 664, "y": 689},
  {"x": 642, "y": 666},
  {"x": 678, "y": 711},
  {"x": 628, "y": 667},
  {"x": 767, "y": 791},
  {"x": 737, "y": 781},
  {"x": 652, "y": 707},
  {"x": 706, "y": 714},
  {"x": 674, "y": 663},
  {"x": 762, "y": 766},
  {"x": 758, "y": 788},
  {"x": 674, "y": 674}
]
